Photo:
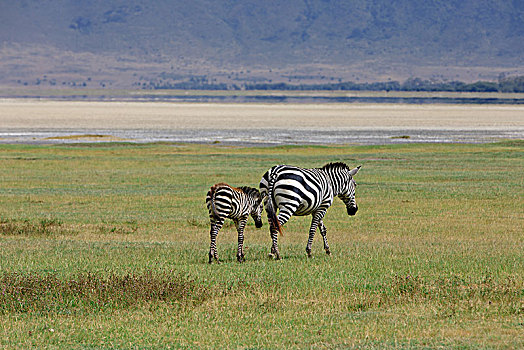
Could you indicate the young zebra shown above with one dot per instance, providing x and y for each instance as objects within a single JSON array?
[
  {"x": 224, "y": 201},
  {"x": 298, "y": 191}
]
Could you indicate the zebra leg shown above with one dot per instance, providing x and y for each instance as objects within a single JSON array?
[
  {"x": 283, "y": 216},
  {"x": 323, "y": 232},
  {"x": 241, "y": 224},
  {"x": 216, "y": 225},
  {"x": 274, "y": 246},
  {"x": 317, "y": 218},
  {"x": 274, "y": 243}
]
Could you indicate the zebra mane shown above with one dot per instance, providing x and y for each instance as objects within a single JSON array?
[
  {"x": 335, "y": 166},
  {"x": 250, "y": 191}
]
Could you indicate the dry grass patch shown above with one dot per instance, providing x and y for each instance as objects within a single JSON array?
[
  {"x": 92, "y": 292},
  {"x": 31, "y": 227}
]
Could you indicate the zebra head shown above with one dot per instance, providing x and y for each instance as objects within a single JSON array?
[
  {"x": 347, "y": 194},
  {"x": 256, "y": 212}
]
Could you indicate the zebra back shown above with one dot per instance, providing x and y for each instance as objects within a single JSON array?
[{"x": 239, "y": 196}]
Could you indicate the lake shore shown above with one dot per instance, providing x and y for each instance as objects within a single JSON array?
[{"x": 28, "y": 120}]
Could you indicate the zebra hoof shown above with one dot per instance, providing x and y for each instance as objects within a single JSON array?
[{"x": 328, "y": 252}]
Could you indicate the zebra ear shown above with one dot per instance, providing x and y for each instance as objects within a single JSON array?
[{"x": 353, "y": 172}]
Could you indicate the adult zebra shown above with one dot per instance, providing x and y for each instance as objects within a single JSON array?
[
  {"x": 298, "y": 191},
  {"x": 224, "y": 201}
]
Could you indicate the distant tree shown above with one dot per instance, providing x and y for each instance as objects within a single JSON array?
[
  {"x": 511, "y": 84},
  {"x": 505, "y": 84}
]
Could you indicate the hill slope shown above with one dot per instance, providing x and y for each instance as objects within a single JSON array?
[{"x": 136, "y": 41}]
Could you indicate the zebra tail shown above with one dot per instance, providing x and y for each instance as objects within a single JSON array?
[{"x": 271, "y": 214}]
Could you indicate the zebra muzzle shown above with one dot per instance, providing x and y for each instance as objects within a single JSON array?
[{"x": 352, "y": 210}]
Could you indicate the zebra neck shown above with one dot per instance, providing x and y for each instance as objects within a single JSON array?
[{"x": 337, "y": 182}]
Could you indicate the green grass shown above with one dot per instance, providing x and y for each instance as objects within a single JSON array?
[{"x": 105, "y": 245}]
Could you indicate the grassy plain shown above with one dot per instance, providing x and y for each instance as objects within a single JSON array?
[{"x": 105, "y": 245}]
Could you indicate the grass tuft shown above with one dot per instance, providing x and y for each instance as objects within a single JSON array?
[{"x": 126, "y": 229}]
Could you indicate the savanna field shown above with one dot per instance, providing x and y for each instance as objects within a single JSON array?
[{"x": 105, "y": 246}]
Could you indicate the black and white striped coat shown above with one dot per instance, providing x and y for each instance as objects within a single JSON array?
[
  {"x": 224, "y": 201},
  {"x": 297, "y": 191}
]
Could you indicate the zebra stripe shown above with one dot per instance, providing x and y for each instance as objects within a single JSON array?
[
  {"x": 297, "y": 191},
  {"x": 224, "y": 201}
]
